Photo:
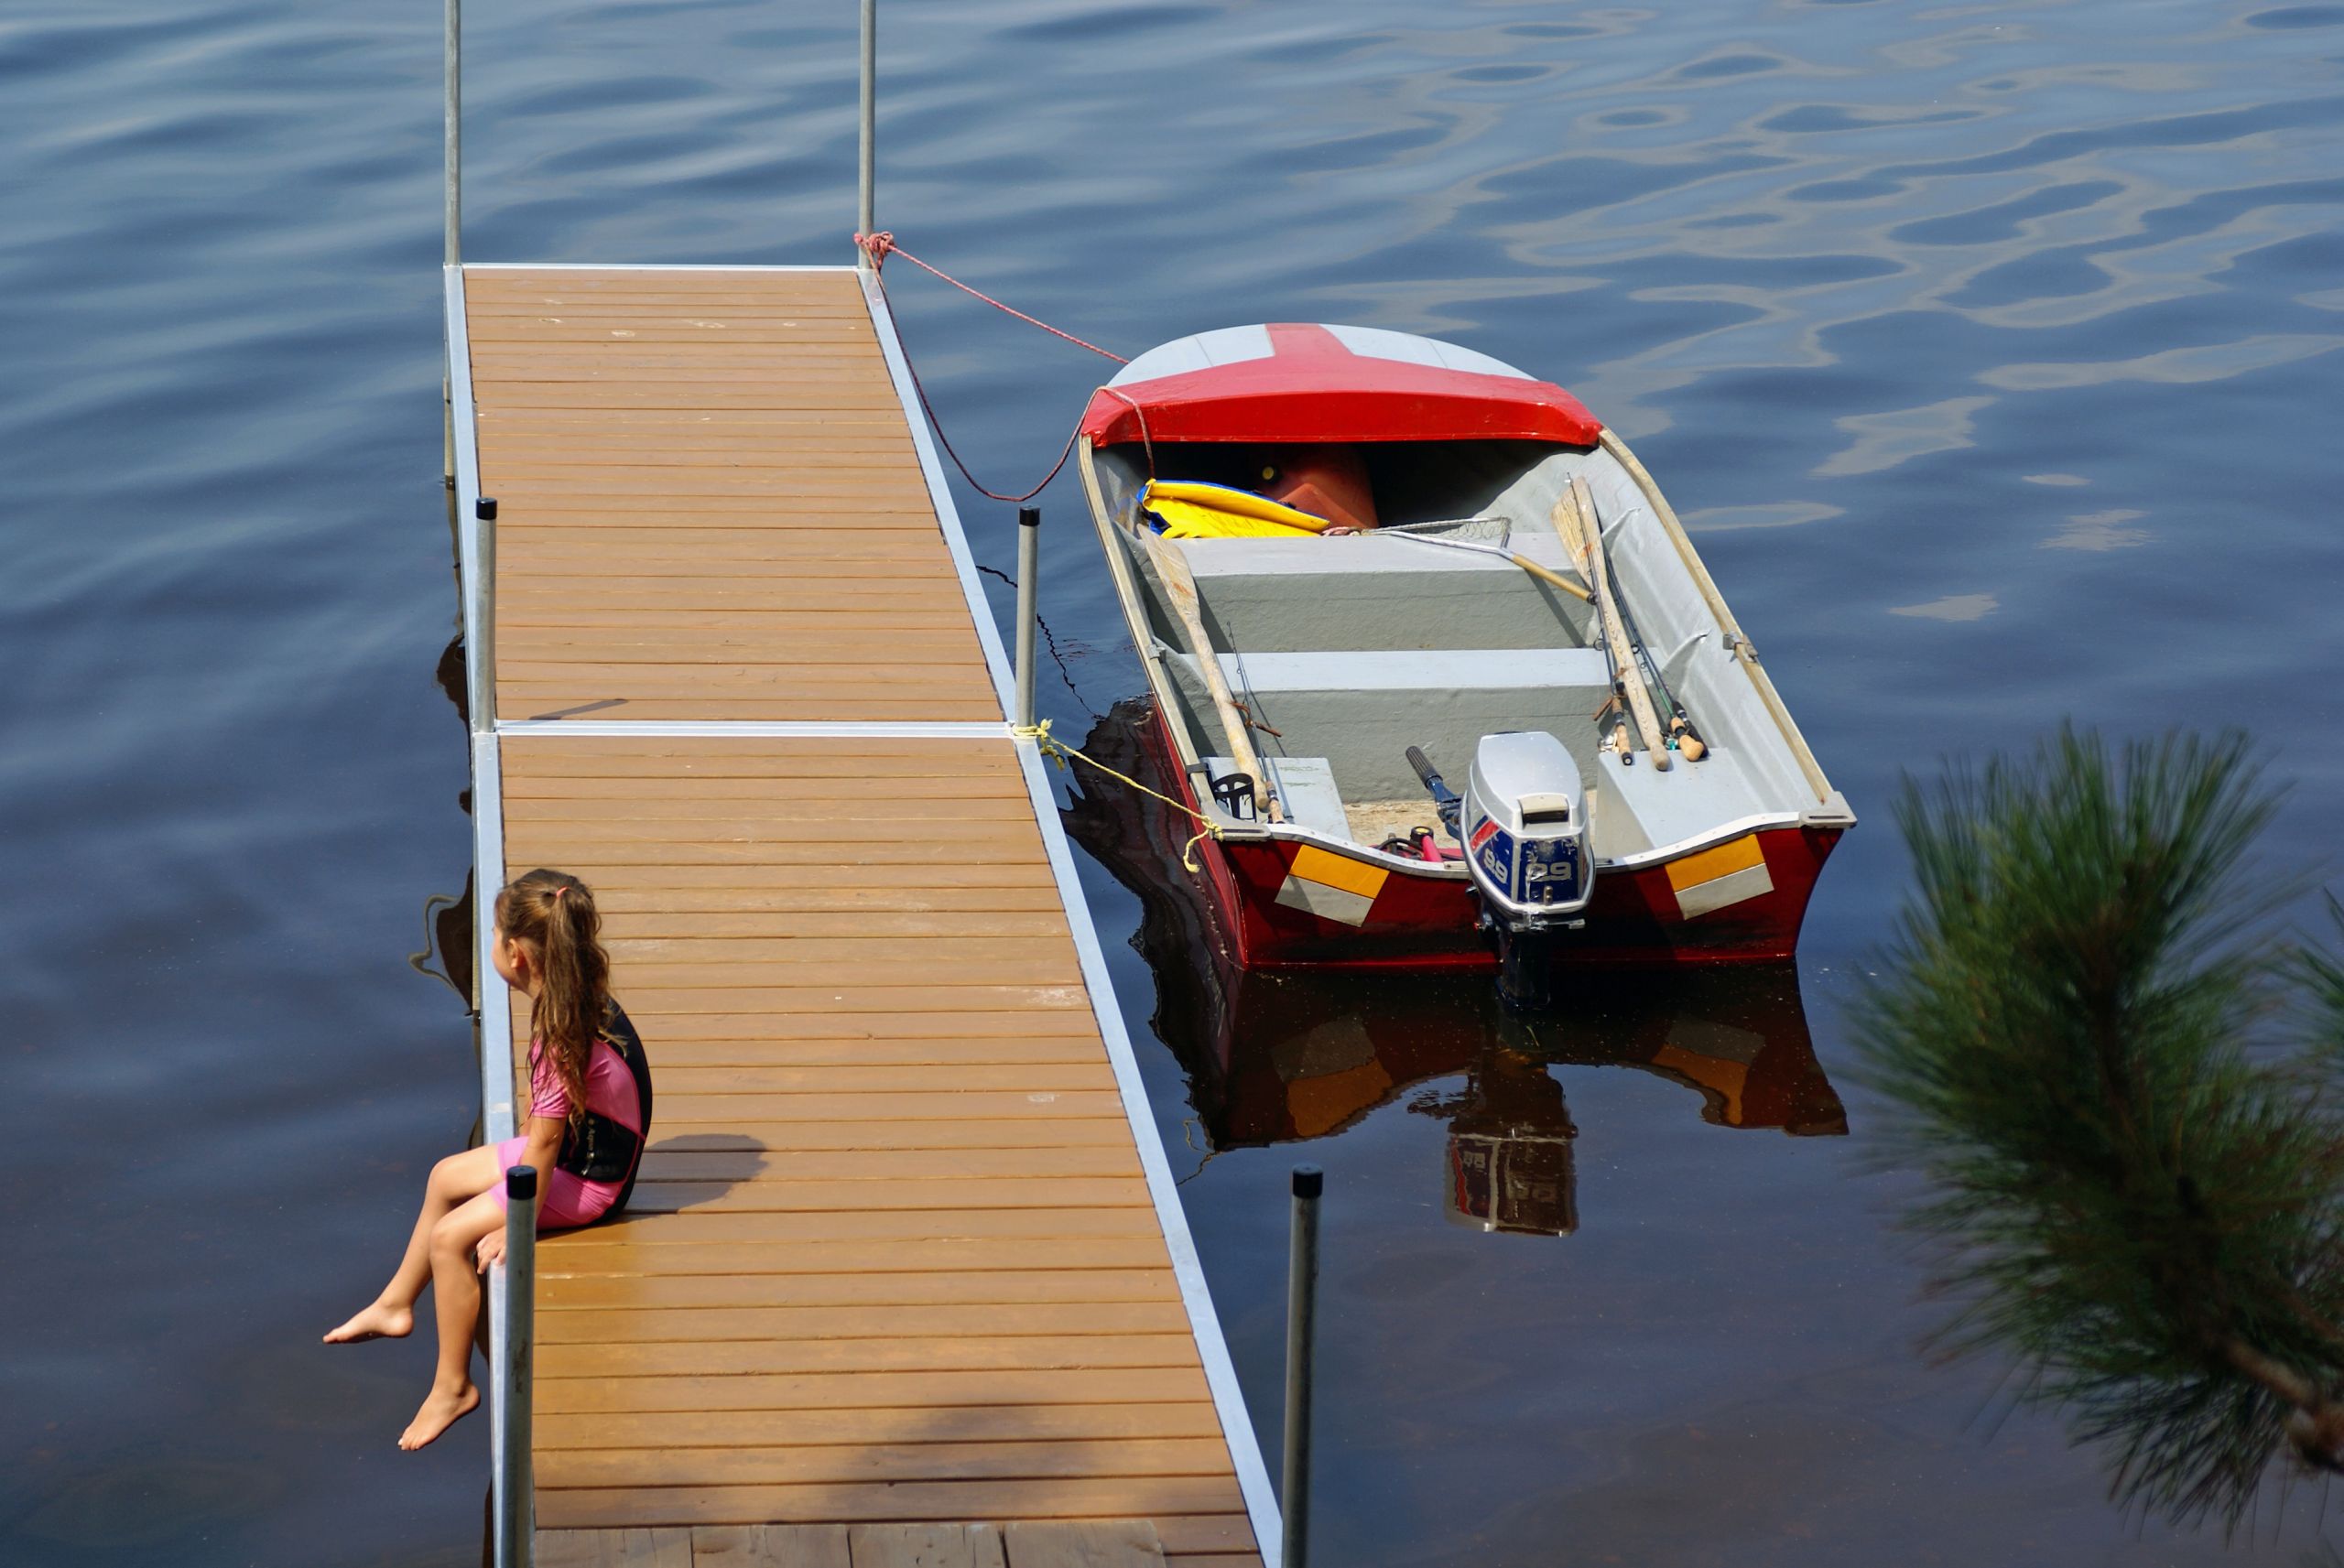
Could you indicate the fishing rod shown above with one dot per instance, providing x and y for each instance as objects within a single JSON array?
[{"x": 1681, "y": 734}]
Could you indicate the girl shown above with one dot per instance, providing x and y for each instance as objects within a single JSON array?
[{"x": 589, "y": 1108}]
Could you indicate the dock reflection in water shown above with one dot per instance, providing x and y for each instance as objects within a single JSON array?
[{"x": 1287, "y": 1057}]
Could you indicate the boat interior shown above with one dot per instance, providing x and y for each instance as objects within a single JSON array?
[{"x": 1348, "y": 648}]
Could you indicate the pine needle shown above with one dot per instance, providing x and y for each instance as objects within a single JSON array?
[{"x": 2131, "y": 1205}]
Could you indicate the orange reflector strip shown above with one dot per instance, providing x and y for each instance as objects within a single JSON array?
[
  {"x": 1709, "y": 865},
  {"x": 1313, "y": 864}
]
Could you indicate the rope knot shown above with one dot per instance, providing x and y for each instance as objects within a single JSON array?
[
  {"x": 876, "y": 246},
  {"x": 1062, "y": 754}
]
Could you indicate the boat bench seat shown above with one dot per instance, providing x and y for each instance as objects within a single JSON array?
[
  {"x": 1295, "y": 595},
  {"x": 1361, "y": 711}
]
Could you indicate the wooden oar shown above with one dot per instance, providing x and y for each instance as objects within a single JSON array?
[
  {"x": 1582, "y": 536},
  {"x": 1180, "y": 588}
]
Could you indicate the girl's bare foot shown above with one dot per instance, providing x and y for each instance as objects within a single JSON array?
[
  {"x": 440, "y": 1411},
  {"x": 377, "y": 1321}
]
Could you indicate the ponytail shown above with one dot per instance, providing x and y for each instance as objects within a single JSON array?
[{"x": 552, "y": 915}]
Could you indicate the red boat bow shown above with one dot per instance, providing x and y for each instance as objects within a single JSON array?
[{"x": 1312, "y": 384}]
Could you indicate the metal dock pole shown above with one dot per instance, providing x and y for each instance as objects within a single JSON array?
[
  {"x": 481, "y": 695},
  {"x": 865, "y": 219},
  {"x": 452, "y": 69},
  {"x": 516, "y": 1486},
  {"x": 1301, "y": 1327},
  {"x": 1029, "y": 566}
]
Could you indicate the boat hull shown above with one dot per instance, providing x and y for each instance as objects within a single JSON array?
[{"x": 1655, "y": 916}]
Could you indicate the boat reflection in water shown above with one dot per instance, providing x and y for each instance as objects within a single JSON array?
[{"x": 1289, "y": 1057}]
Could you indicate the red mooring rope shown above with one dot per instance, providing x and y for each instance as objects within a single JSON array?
[{"x": 879, "y": 247}]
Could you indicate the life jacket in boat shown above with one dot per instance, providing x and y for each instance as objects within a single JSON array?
[
  {"x": 598, "y": 1149},
  {"x": 1191, "y": 509},
  {"x": 1324, "y": 481}
]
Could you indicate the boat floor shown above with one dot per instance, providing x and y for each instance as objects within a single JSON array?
[{"x": 1373, "y": 821}]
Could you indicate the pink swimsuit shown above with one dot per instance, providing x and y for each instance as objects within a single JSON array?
[{"x": 570, "y": 1200}]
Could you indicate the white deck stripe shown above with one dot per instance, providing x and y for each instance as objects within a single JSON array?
[
  {"x": 466, "y": 439},
  {"x": 640, "y": 266},
  {"x": 1196, "y": 1294},
  {"x": 940, "y": 494},
  {"x": 496, "y": 1059},
  {"x": 495, "y": 1030},
  {"x": 497, "y": 1121},
  {"x": 747, "y": 729}
]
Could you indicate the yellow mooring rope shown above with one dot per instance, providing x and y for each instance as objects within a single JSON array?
[{"x": 1057, "y": 751}]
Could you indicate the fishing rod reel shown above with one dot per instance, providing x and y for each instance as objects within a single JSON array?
[{"x": 1523, "y": 822}]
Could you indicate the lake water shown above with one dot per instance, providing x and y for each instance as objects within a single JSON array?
[{"x": 1984, "y": 347}]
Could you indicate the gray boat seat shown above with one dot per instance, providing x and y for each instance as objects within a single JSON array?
[
  {"x": 1294, "y": 595},
  {"x": 1363, "y": 710}
]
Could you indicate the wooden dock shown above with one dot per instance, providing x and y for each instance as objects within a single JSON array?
[{"x": 905, "y": 1279}]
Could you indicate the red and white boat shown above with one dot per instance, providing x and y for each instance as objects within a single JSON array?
[{"x": 1358, "y": 563}]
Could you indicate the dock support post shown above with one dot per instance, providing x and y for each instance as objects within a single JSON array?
[
  {"x": 452, "y": 70},
  {"x": 865, "y": 219},
  {"x": 1301, "y": 1331},
  {"x": 481, "y": 668},
  {"x": 517, "y": 1487},
  {"x": 1029, "y": 568}
]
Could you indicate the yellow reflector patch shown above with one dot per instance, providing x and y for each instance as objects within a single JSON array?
[
  {"x": 1313, "y": 864},
  {"x": 1709, "y": 865},
  {"x": 1324, "y": 1103},
  {"x": 1723, "y": 1077}
]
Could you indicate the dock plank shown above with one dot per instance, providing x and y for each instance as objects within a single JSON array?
[
  {"x": 590, "y": 1291},
  {"x": 1083, "y": 1543},
  {"x": 835, "y": 1165},
  {"x": 924, "y": 1389},
  {"x": 771, "y": 1546},
  {"x": 619, "y": 1548},
  {"x": 650, "y": 1325},
  {"x": 686, "y": 1055},
  {"x": 783, "y": 1429},
  {"x": 1161, "y": 1498},
  {"x": 927, "y": 1546},
  {"x": 767, "y": 1195},
  {"x": 607, "y": 1253},
  {"x": 889, "y": 1464}
]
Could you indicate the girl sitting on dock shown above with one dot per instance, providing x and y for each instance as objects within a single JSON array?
[{"x": 590, "y": 1109}]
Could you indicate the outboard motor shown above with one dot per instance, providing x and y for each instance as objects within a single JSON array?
[{"x": 1523, "y": 824}]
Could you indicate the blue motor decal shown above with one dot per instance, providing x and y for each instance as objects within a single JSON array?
[
  {"x": 1550, "y": 872},
  {"x": 1496, "y": 853}
]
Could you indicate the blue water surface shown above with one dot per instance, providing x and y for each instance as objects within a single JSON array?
[{"x": 1988, "y": 349}]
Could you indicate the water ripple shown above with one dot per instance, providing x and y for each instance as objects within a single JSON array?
[{"x": 1953, "y": 331}]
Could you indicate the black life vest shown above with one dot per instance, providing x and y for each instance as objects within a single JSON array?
[{"x": 597, "y": 1149}]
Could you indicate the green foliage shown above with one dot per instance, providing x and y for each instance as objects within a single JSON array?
[
  {"x": 2131, "y": 1203},
  {"x": 2322, "y": 981}
]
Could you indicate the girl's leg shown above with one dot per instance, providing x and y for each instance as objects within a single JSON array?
[
  {"x": 453, "y": 1180},
  {"x": 455, "y": 1293}
]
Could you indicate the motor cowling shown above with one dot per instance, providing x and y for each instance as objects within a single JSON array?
[{"x": 1526, "y": 830}]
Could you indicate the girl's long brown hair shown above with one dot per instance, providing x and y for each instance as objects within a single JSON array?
[{"x": 552, "y": 915}]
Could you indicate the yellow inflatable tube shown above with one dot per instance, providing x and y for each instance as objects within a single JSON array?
[{"x": 1191, "y": 510}]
